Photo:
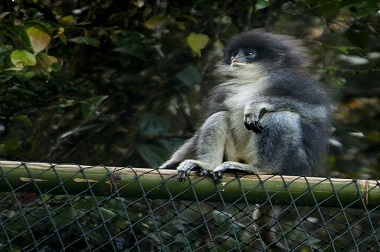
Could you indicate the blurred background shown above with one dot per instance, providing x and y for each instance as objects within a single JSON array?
[{"x": 121, "y": 83}]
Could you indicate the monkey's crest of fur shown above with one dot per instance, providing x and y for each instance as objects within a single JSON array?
[{"x": 286, "y": 50}]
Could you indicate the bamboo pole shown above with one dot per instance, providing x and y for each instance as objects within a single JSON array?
[{"x": 46, "y": 178}]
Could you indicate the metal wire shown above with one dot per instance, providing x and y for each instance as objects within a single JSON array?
[{"x": 34, "y": 217}]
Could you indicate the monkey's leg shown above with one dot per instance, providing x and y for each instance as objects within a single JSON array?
[
  {"x": 210, "y": 146},
  {"x": 186, "y": 151},
  {"x": 279, "y": 148}
]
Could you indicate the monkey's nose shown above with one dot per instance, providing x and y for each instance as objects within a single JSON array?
[{"x": 236, "y": 62}]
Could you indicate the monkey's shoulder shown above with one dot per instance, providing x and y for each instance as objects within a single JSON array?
[{"x": 296, "y": 85}]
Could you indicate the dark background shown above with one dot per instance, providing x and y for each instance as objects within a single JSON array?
[{"x": 121, "y": 82}]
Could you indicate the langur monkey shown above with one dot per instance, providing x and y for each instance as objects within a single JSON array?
[{"x": 267, "y": 117}]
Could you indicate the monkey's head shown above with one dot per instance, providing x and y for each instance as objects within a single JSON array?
[{"x": 269, "y": 51}]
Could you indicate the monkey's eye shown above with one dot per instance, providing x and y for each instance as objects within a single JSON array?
[{"x": 250, "y": 52}]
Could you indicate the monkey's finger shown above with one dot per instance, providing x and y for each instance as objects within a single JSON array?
[
  {"x": 218, "y": 172},
  {"x": 204, "y": 173},
  {"x": 184, "y": 169},
  {"x": 255, "y": 127},
  {"x": 217, "y": 176},
  {"x": 252, "y": 123},
  {"x": 258, "y": 127},
  {"x": 248, "y": 123}
]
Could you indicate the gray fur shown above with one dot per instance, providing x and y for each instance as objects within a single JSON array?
[{"x": 267, "y": 117}]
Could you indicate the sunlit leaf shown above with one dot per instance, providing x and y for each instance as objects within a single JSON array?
[
  {"x": 262, "y": 4},
  {"x": 67, "y": 20},
  {"x": 22, "y": 58},
  {"x": 138, "y": 3},
  {"x": 197, "y": 42},
  {"x": 47, "y": 64},
  {"x": 4, "y": 14},
  {"x": 39, "y": 39},
  {"x": 155, "y": 22},
  {"x": 61, "y": 35},
  {"x": 50, "y": 63}
]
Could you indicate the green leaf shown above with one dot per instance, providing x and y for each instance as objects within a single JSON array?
[
  {"x": 262, "y": 4},
  {"x": 153, "y": 155},
  {"x": 359, "y": 35},
  {"x": 24, "y": 119},
  {"x": 5, "y": 48},
  {"x": 11, "y": 145},
  {"x": 67, "y": 20},
  {"x": 39, "y": 39},
  {"x": 171, "y": 144},
  {"x": 47, "y": 64},
  {"x": 152, "y": 124},
  {"x": 155, "y": 22},
  {"x": 190, "y": 76},
  {"x": 91, "y": 105},
  {"x": 86, "y": 41},
  {"x": 22, "y": 58},
  {"x": 363, "y": 8},
  {"x": 197, "y": 42}
]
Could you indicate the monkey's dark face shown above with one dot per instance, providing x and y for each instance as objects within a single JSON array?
[
  {"x": 243, "y": 56},
  {"x": 268, "y": 50}
]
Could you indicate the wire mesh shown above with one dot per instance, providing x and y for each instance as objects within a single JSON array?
[{"x": 41, "y": 210}]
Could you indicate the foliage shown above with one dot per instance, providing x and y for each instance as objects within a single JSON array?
[{"x": 118, "y": 82}]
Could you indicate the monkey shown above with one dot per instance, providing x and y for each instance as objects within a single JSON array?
[{"x": 268, "y": 116}]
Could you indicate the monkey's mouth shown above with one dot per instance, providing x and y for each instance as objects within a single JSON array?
[{"x": 237, "y": 63}]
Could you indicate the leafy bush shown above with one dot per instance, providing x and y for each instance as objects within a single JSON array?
[{"x": 121, "y": 83}]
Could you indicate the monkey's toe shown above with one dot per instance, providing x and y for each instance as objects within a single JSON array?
[
  {"x": 218, "y": 172},
  {"x": 184, "y": 169}
]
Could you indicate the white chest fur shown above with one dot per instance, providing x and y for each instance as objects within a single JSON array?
[{"x": 246, "y": 91}]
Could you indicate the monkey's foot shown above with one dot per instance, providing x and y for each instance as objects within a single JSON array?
[
  {"x": 218, "y": 171},
  {"x": 184, "y": 169}
]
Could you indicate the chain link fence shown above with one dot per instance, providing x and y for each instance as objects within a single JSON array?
[{"x": 47, "y": 207}]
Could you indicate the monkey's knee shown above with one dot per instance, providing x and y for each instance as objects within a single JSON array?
[
  {"x": 212, "y": 138},
  {"x": 284, "y": 122},
  {"x": 281, "y": 145},
  {"x": 216, "y": 122}
]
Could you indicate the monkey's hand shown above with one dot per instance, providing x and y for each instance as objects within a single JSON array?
[
  {"x": 252, "y": 115},
  {"x": 231, "y": 165},
  {"x": 218, "y": 171},
  {"x": 184, "y": 169},
  {"x": 252, "y": 122}
]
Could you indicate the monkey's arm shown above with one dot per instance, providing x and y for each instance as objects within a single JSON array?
[
  {"x": 205, "y": 150},
  {"x": 255, "y": 111}
]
